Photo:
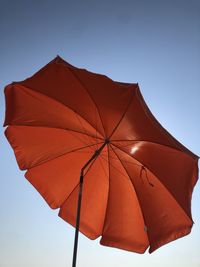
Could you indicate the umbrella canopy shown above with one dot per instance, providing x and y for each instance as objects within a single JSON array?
[{"x": 138, "y": 179}]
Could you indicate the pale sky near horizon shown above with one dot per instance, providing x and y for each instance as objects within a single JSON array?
[{"x": 154, "y": 43}]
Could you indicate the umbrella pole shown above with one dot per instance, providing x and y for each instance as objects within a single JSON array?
[
  {"x": 94, "y": 156},
  {"x": 77, "y": 220}
]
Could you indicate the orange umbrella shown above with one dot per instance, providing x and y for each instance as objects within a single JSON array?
[{"x": 75, "y": 130}]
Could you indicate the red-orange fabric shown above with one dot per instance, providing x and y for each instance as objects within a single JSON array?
[{"x": 137, "y": 193}]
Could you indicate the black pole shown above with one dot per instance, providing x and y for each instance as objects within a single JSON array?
[
  {"x": 78, "y": 214},
  {"x": 77, "y": 219}
]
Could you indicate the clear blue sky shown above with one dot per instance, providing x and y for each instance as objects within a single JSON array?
[{"x": 154, "y": 43}]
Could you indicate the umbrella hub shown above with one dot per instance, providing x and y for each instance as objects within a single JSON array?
[
  {"x": 107, "y": 141},
  {"x": 95, "y": 155}
]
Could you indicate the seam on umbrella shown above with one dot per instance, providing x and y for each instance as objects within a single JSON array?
[
  {"x": 123, "y": 115},
  {"x": 169, "y": 191},
  {"x": 52, "y": 127},
  {"x": 84, "y": 86},
  {"x": 123, "y": 161},
  {"x": 73, "y": 190},
  {"x": 90, "y": 166},
  {"x": 114, "y": 167},
  {"x": 100, "y": 160},
  {"x": 72, "y": 131},
  {"x": 69, "y": 193},
  {"x": 66, "y": 129},
  {"x": 77, "y": 184},
  {"x": 82, "y": 126},
  {"x": 160, "y": 127},
  {"x": 96, "y": 125},
  {"x": 74, "y": 150},
  {"x": 60, "y": 103},
  {"x": 85, "y": 177},
  {"x": 80, "y": 139},
  {"x": 152, "y": 142},
  {"x": 135, "y": 191}
]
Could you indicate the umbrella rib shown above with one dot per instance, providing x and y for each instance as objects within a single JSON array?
[
  {"x": 65, "y": 105},
  {"x": 100, "y": 160},
  {"x": 84, "y": 130},
  {"x": 89, "y": 135},
  {"x": 124, "y": 113},
  {"x": 149, "y": 169},
  {"x": 135, "y": 191},
  {"x": 90, "y": 166},
  {"x": 79, "y": 181},
  {"x": 70, "y": 130},
  {"x": 158, "y": 125},
  {"x": 85, "y": 88},
  {"x": 123, "y": 160},
  {"x": 64, "y": 129},
  {"x": 96, "y": 125},
  {"x": 113, "y": 166},
  {"x": 76, "y": 186},
  {"x": 63, "y": 154},
  {"x": 152, "y": 142},
  {"x": 80, "y": 139}
]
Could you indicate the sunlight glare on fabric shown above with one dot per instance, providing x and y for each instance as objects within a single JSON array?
[{"x": 134, "y": 149}]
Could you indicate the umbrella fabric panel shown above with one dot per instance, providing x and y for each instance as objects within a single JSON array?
[
  {"x": 112, "y": 99},
  {"x": 94, "y": 201},
  {"x": 139, "y": 124},
  {"x": 124, "y": 225},
  {"x": 57, "y": 178},
  {"x": 101, "y": 101},
  {"x": 164, "y": 217},
  {"x": 28, "y": 107},
  {"x": 176, "y": 170},
  {"x": 58, "y": 82},
  {"x": 36, "y": 145}
]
